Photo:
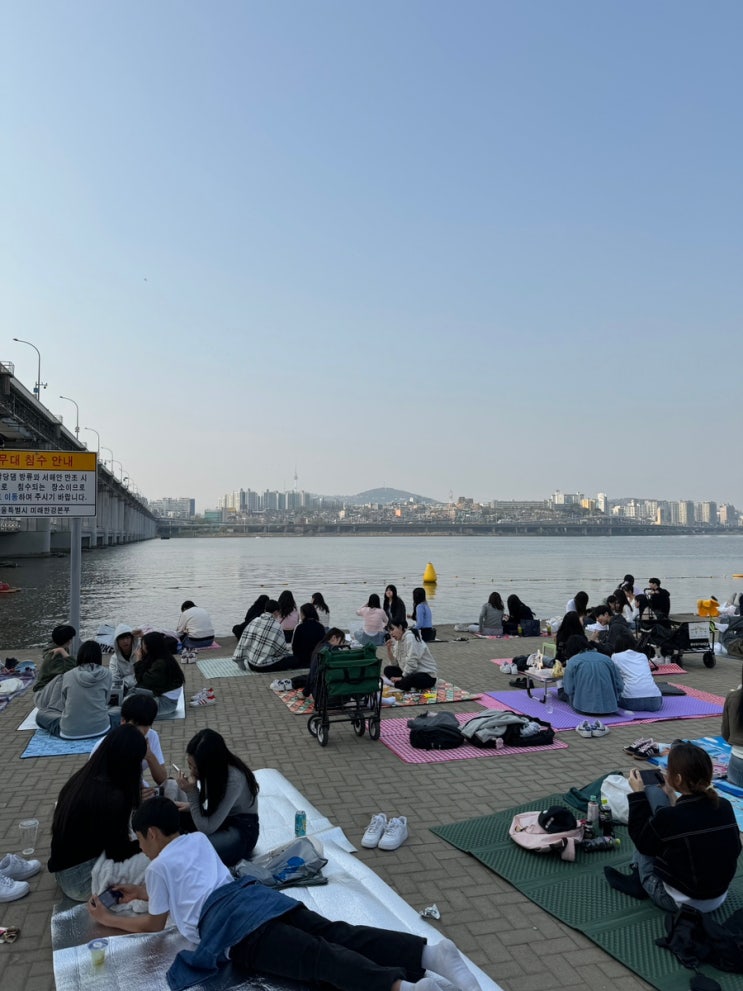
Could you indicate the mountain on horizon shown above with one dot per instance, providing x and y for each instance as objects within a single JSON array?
[{"x": 385, "y": 496}]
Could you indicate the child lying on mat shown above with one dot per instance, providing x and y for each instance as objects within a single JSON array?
[{"x": 263, "y": 929}]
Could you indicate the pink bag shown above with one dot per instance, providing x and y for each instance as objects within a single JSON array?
[{"x": 526, "y": 831}]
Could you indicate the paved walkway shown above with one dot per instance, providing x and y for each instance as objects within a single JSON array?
[{"x": 518, "y": 944}]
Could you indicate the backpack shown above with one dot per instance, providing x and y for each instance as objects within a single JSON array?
[
  {"x": 526, "y": 832},
  {"x": 694, "y": 938},
  {"x": 439, "y": 732},
  {"x": 512, "y": 728}
]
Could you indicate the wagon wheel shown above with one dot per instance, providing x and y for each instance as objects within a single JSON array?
[
  {"x": 312, "y": 723},
  {"x": 359, "y": 725},
  {"x": 709, "y": 659},
  {"x": 323, "y": 732},
  {"x": 374, "y": 728}
]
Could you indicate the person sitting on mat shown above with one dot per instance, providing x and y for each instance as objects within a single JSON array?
[
  {"x": 640, "y": 692},
  {"x": 56, "y": 658},
  {"x": 592, "y": 681},
  {"x": 375, "y": 622},
  {"x": 687, "y": 848},
  {"x": 732, "y": 733},
  {"x": 74, "y": 705},
  {"x": 263, "y": 929},
  {"x": 263, "y": 645},
  {"x": 414, "y": 665},
  {"x": 195, "y": 626}
]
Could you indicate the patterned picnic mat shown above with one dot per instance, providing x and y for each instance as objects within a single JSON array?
[
  {"x": 395, "y": 735},
  {"x": 660, "y": 669},
  {"x": 445, "y": 692}
]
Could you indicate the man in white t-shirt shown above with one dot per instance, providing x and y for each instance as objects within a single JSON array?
[
  {"x": 195, "y": 626},
  {"x": 263, "y": 929}
]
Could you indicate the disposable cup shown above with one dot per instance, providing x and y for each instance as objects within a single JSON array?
[
  {"x": 98, "y": 949},
  {"x": 29, "y": 829}
]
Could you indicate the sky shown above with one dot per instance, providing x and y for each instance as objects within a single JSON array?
[{"x": 488, "y": 248}]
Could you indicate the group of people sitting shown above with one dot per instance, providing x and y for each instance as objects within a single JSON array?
[
  {"x": 77, "y": 697},
  {"x": 494, "y": 621},
  {"x": 378, "y": 617}
]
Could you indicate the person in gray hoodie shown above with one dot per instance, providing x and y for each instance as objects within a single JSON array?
[
  {"x": 74, "y": 705},
  {"x": 126, "y": 646}
]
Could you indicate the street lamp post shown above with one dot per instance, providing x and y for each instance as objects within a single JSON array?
[
  {"x": 94, "y": 431},
  {"x": 39, "y": 384},
  {"x": 77, "y": 414},
  {"x": 121, "y": 469}
]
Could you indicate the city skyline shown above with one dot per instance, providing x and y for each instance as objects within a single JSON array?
[{"x": 460, "y": 247}]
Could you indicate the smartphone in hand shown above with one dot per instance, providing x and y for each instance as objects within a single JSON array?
[
  {"x": 110, "y": 897},
  {"x": 654, "y": 777}
]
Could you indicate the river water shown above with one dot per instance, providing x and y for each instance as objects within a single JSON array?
[{"x": 145, "y": 583}]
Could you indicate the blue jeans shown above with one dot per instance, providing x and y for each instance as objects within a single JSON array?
[
  {"x": 735, "y": 771},
  {"x": 76, "y": 881},
  {"x": 194, "y": 643},
  {"x": 653, "y": 703},
  {"x": 364, "y": 638}
]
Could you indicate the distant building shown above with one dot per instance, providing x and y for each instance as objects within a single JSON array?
[
  {"x": 686, "y": 512},
  {"x": 181, "y": 508},
  {"x": 709, "y": 512}
]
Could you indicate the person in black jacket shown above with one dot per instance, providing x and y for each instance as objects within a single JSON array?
[
  {"x": 307, "y": 635},
  {"x": 687, "y": 848},
  {"x": 93, "y": 810},
  {"x": 158, "y": 673},
  {"x": 656, "y": 598},
  {"x": 394, "y": 606}
]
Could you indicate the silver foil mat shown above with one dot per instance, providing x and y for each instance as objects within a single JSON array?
[{"x": 139, "y": 962}]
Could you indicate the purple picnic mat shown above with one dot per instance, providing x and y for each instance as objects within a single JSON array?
[{"x": 689, "y": 706}]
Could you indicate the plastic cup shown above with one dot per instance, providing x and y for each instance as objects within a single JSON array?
[
  {"x": 29, "y": 829},
  {"x": 98, "y": 949}
]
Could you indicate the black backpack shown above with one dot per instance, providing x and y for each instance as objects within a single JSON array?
[
  {"x": 439, "y": 732},
  {"x": 695, "y": 939}
]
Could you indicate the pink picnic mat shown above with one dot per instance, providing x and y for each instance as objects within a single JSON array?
[
  {"x": 396, "y": 736},
  {"x": 445, "y": 692},
  {"x": 694, "y": 705},
  {"x": 660, "y": 669}
]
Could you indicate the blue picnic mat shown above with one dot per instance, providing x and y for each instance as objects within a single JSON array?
[{"x": 43, "y": 744}]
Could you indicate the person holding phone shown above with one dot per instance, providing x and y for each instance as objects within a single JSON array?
[
  {"x": 687, "y": 848},
  {"x": 222, "y": 797},
  {"x": 263, "y": 929}
]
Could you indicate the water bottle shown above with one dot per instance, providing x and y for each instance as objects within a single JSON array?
[
  {"x": 593, "y": 814},
  {"x": 600, "y": 843},
  {"x": 605, "y": 820},
  {"x": 300, "y": 823}
]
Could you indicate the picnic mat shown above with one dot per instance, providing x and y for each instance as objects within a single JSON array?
[
  {"x": 354, "y": 893},
  {"x": 29, "y": 723},
  {"x": 718, "y": 750},
  {"x": 221, "y": 667},
  {"x": 43, "y": 744},
  {"x": 578, "y": 895},
  {"x": 694, "y": 705},
  {"x": 395, "y": 735},
  {"x": 445, "y": 692}
]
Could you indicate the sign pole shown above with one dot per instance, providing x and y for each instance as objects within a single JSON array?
[{"x": 76, "y": 554}]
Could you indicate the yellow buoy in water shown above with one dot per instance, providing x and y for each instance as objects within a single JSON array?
[{"x": 429, "y": 575}]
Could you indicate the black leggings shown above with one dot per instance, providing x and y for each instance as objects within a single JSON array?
[
  {"x": 305, "y": 946},
  {"x": 419, "y": 679}
]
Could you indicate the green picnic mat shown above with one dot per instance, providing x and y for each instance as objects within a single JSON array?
[{"x": 578, "y": 895}]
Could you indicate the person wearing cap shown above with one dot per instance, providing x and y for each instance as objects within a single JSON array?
[{"x": 57, "y": 658}]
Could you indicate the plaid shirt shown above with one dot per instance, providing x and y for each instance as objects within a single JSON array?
[{"x": 262, "y": 642}]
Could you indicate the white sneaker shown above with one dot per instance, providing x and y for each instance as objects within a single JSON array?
[
  {"x": 18, "y": 869},
  {"x": 507, "y": 669},
  {"x": 204, "y": 693},
  {"x": 11, "y": 890},
  {"x": 374, "y": 831},
  {"x": 395, "y": 834}
]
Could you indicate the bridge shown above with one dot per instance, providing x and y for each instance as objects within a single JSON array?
[{"x": 26, "y": 424}]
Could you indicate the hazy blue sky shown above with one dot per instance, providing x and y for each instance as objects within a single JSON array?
[{"x": 492, "y": 247}]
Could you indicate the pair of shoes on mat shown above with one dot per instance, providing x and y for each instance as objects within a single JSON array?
[
  {"x": 205, "y": 697},
  {"x": 588, "y": 729},
  {"x": 13, "y": 873},
  {"x": 385, "y": 834},
  {"x": 643, "y": 749},
  {"x": 188, "y": 657},
  {"x": 281, "y": 685},
  {"x": 508, "y": 668}
]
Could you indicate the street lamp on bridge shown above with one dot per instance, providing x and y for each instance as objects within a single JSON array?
[
  {"x": 77, "y": 414},
  {"x": 39, "y": 384},
  {"x": 94, "y": 431}
]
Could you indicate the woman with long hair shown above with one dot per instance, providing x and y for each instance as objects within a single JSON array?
[
  {"x": 686, "y": 848},
  {"x": 323, "y": 612},
  {"x": 93, "y": 811},
  {"x": 518, "y": 612},
  {"x": 375, "y": 622},
  {"x": 158, "y": 673},
  {"x": 490, "y": 623},
  {"x": 307, "y": 635},
  {"x": 571, "y": 626},
  {"x": 257, "y": 609},
  {"x": 393, "y": 606},
  {"x": 222, "y": 797},
  {"x": 289, "y": 614},
  {"x": 732, "y": 731},
  {"x": 421, "y": 615}
]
